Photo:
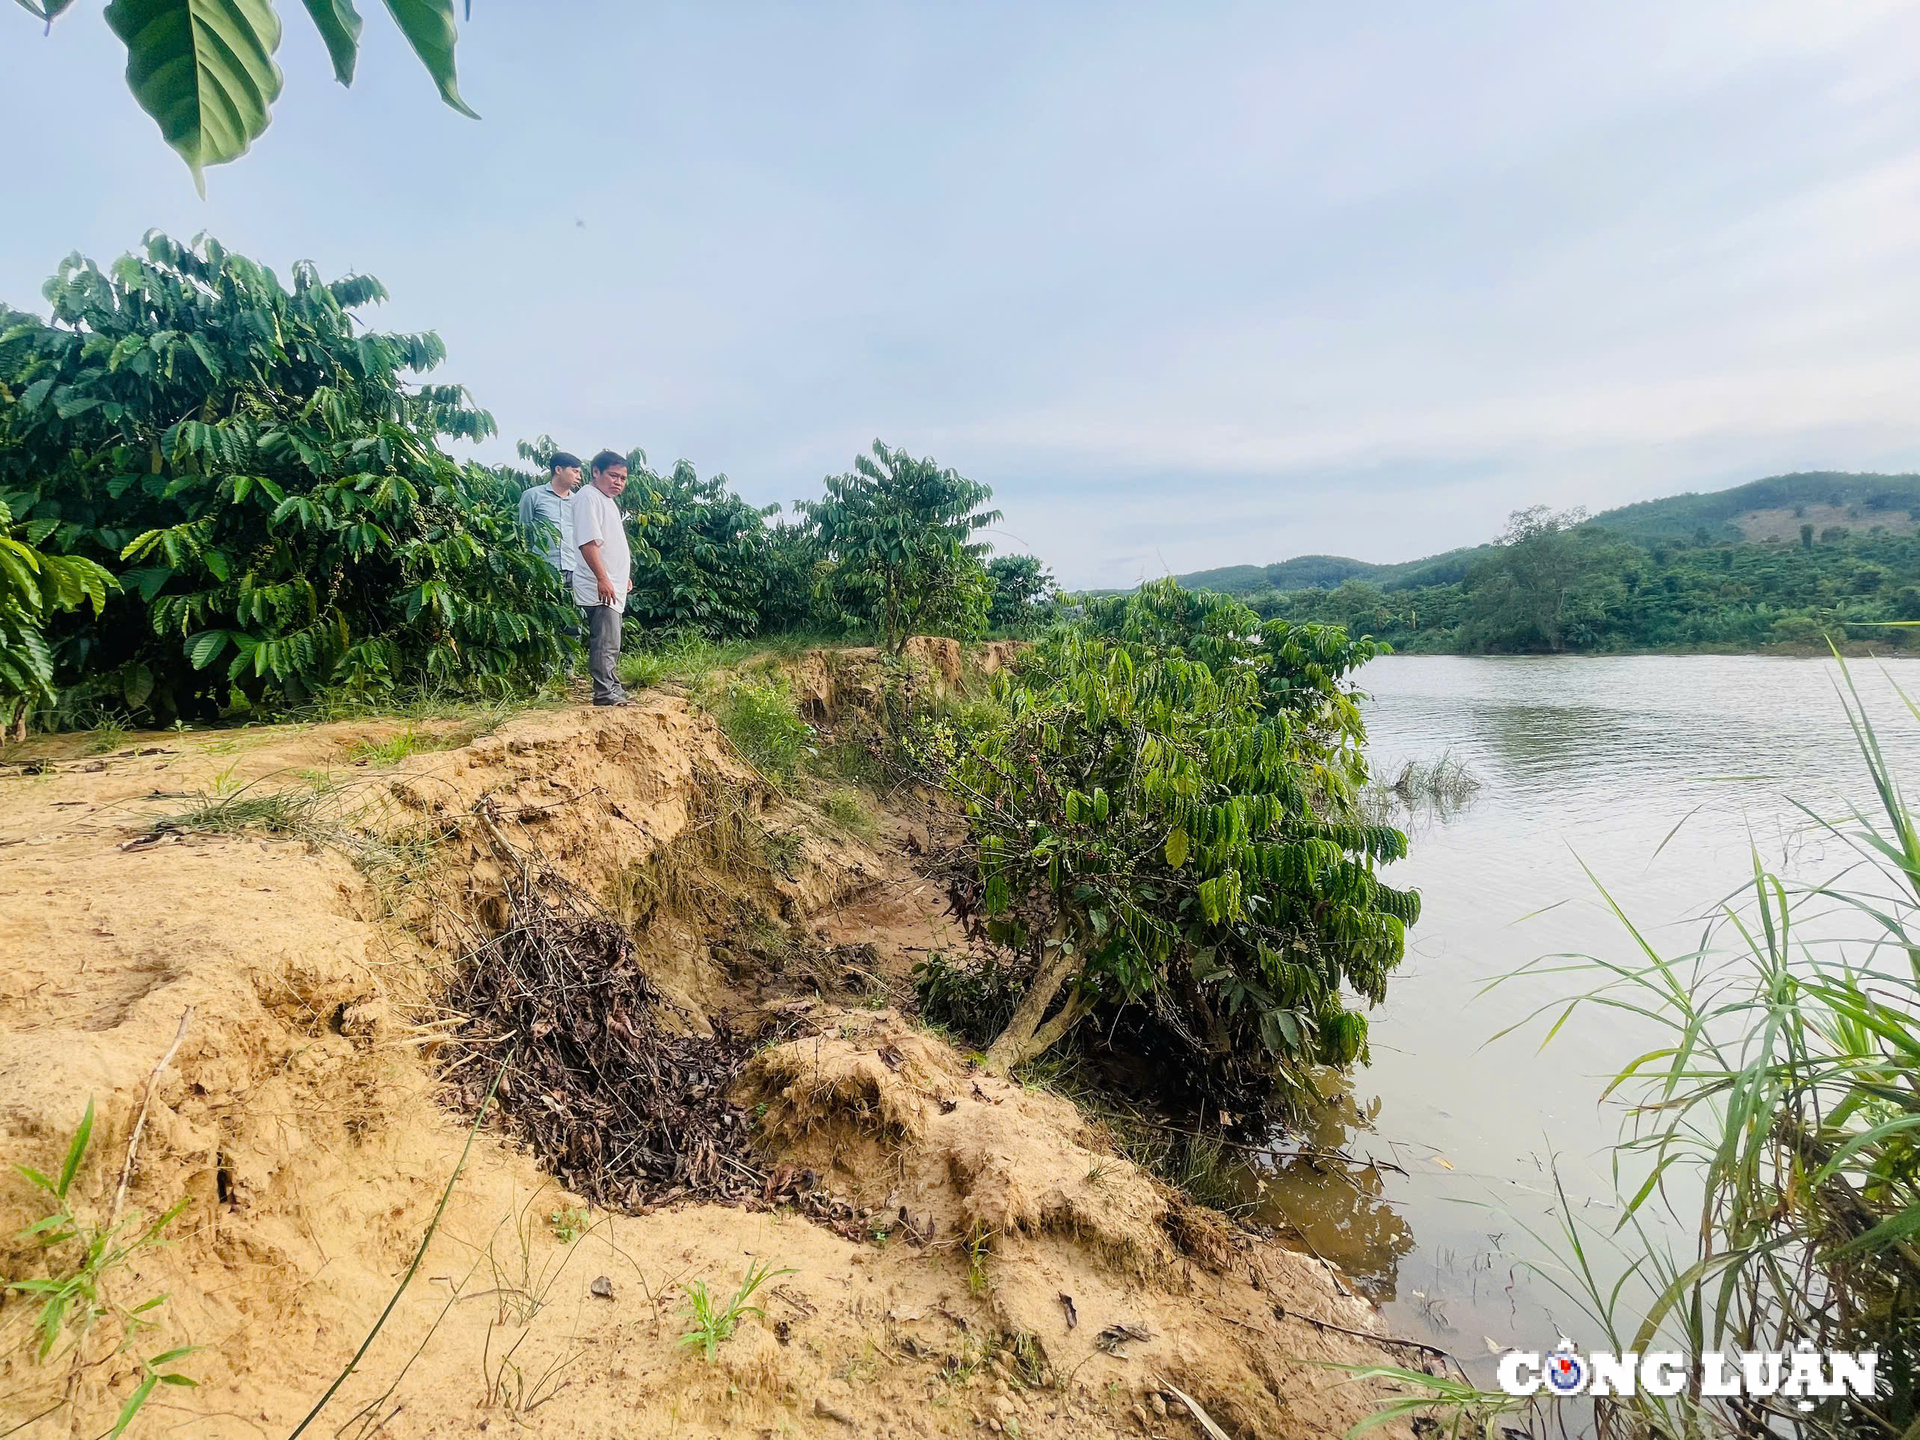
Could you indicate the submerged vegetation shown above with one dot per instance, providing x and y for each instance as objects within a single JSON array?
[{"x": 1439, "y": 788}]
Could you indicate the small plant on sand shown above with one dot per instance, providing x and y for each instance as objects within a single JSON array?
[
  {"x": 977, "y": 1243},
  {"x": 107, "y": 734},
  {"x": 712, "y": 1322},
  {"x": 280, "y": 812},
  {"x": 390, "y": 751},
  {"x": 568, "y": 1224},
  {"x": 81, "y": 1258}
]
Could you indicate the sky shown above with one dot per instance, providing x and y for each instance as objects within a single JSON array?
[{"x": 1187, "y": 285}]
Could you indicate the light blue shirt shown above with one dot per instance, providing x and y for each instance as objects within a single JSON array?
[{"x": 540, "y": 507}]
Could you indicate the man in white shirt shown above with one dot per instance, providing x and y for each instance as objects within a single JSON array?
[
  {"x": 546, "y": 515},
  {"x": 601, "y": 583}
]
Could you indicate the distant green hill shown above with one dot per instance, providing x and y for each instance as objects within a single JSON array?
[
  {"x": 1775, "y": 508},
  {"x": 1766, "y": 507}
]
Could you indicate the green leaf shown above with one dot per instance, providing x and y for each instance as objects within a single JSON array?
[
  {"x": 1177, "y": 847},
  {"x": 428, "y": 26},
  {"x": 136, "y": 684},
  {"x": 202, "y": 648},
  {"x": 76, "y": 1152},
  {"x": 132, "y": 1407},
  {"x": 339, "y": 25},
  {"x": 203, "y": 69}
]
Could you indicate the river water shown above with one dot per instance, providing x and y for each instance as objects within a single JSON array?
[{"x": 1660, "y": 775}]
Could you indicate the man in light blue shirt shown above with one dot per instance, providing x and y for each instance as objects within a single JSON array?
[{"x": 546, "y": 515}]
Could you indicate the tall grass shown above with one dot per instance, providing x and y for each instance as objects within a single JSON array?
[
  {"x": 1436, "y": 789},
  {"x": 1777, "y": 1121}
]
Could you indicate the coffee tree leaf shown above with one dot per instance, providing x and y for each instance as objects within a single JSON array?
[
  {"x": 203, "y": 69},
  {"x": 339, "y": 26},
  {"x": 429, "y": 28}
]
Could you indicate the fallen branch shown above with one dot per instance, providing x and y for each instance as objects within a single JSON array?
[{"x": 140, "y": 1124}]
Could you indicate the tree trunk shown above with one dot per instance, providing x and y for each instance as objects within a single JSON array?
[{"x": 1025, "y": 1036}]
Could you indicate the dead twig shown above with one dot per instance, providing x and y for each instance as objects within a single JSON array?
[{"x": 140, "y": 1123}]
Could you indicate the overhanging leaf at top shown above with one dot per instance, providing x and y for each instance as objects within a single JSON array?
[
  {"x": 429, "y": 28},
  {"x": 339, "y": 25},
  {"x": 47, "y": 10},
  {"x": 203, "y": 69}
]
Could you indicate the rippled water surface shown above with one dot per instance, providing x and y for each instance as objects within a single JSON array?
[{"x": 1658, "y": 774}]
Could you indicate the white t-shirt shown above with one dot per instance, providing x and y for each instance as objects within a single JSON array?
[{"x": 597, "y": 518}]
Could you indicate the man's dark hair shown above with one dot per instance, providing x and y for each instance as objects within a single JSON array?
[
  {"x": 563, "y": 461},
  {"x": 607, "y": 459}
]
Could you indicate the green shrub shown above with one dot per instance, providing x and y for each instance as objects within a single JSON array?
[
  {"x": 264, "y": 477},
  {"x": 1164, "y": 814},
  {"x": 34, "y": 585},
  {"x": 702, "y": 562}
]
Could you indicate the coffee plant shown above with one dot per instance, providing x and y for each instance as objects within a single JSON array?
[
  {"x": 704, "y": 566},
  {"x": 1163, "y": 805},
  {"x": 898, "y": 534},
  {"x": 265, "y": 480},
  {"x": 33, "y": 585}
]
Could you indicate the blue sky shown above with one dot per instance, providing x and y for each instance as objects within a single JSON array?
[{"x": 1187, "y": 285}]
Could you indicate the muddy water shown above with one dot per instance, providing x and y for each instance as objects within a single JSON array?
[{"x": 1582, "y": 762}]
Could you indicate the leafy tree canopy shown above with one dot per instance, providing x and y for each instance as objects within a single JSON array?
[
  {"x": 266, "y": 482},
  {"x": 1584, "y": 588},
  {"x": 898, "y": 533},
  {"x": 1022, "y": 592}
]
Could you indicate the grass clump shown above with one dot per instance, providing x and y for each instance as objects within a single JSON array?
[
  {"x": 107, "y": 734},
  {"x": 277, "y": 812},
  {"x": 390, "y": 751},
  {"x": 763, "y": 723},
  {"x": 1439, "y": 788},
  {"x": 423, "y": 703},
  {"x": 683, "y": 659},
  {"x": 712, "y": 1323},
  {"x": 846, "y": 808}
]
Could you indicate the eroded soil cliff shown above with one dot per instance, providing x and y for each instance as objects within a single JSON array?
[{"x": 960, "y": 1252}]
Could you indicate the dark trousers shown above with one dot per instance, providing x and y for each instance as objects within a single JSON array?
[{"x": 603, "y": 652}]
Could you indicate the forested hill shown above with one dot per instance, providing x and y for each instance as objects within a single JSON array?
[
  {"x": 1784, "y": 560},
  {"x": 1777, "y": 506}
]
